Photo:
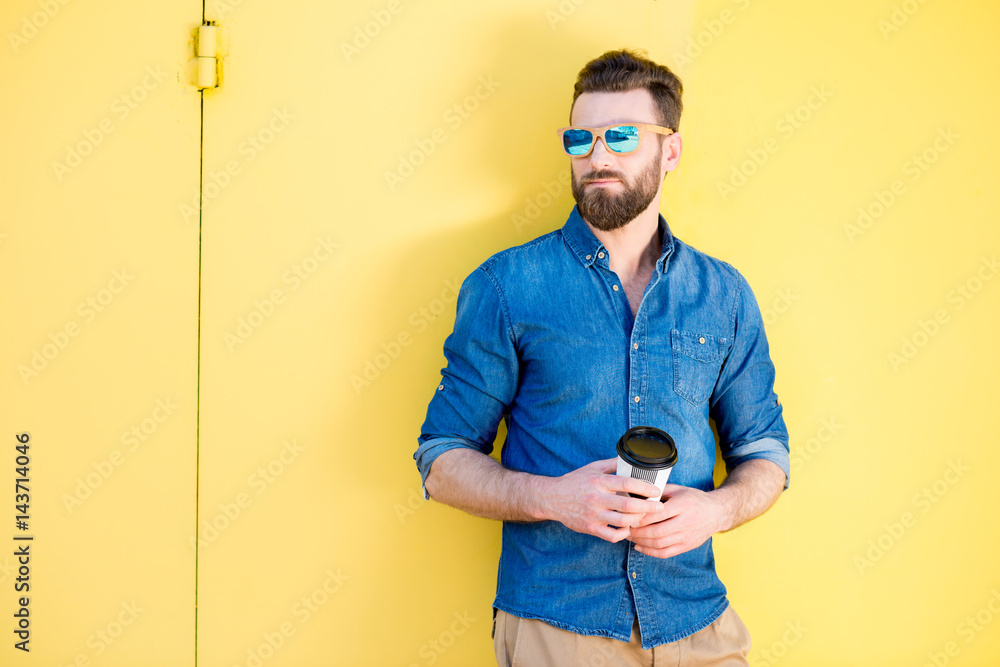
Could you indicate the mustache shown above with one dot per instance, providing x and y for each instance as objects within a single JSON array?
[{"x": 602, "y": 175}]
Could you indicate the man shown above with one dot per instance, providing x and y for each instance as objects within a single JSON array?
[{"x": 573, "y": 338}]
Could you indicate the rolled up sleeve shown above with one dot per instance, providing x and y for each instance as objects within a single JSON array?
[
  {"x": 745, "y": 407},
  {"x": 478, "y": 383}
]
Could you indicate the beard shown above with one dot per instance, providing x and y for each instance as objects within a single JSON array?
[{"x": 608, "y": 211}]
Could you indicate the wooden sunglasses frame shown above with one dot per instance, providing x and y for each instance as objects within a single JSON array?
[{"x": 599, "y": 132}]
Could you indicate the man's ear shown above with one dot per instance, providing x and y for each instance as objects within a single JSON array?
[{"x": 671, "y": 153}]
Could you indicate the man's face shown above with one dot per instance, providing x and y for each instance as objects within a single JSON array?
[{"x": 612, "y": 189}]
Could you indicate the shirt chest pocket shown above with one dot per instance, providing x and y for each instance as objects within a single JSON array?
[{"x": 697, "y": 359}]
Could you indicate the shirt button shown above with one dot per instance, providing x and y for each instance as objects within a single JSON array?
[
  {"x": 614, "y": 287},
  {"x": 601, "y": 255},
  {"x": 702, "y": 340},
  {"x": 440, "y": 387},
  {"x": 636, "y": 399},
  {"x": 588, "y": 256},
  {"x": 635, "y": 346},
  {"x": 633, "y": 575}
]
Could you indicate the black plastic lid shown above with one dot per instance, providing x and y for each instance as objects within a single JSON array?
[{"x": 647, "y": 447}]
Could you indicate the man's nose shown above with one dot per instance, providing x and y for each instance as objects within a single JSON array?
[{"x": 601, "y": 156}]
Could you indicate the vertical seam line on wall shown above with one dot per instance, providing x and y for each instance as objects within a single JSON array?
[{"x": 197, "y": 417}]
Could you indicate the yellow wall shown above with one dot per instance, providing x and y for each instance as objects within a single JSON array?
[
  {"x": 326, "y": 290},
  {"x": 98, "y": 331}
]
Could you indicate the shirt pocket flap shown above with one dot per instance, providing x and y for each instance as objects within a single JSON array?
[{"x": 698, "y": 346}]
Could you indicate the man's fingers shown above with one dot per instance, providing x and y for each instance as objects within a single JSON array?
[
  {"x": 632, "y": 485},
  {"x": 621, "y": 519},
  {"x": 603, "y": 466},
  {"x": 611, "y": 533},
  {"x": 656, "y": 534},
  {"x": 626, "y": 484},
  {"x": 665, "y": 552},
  {"x": 630, "y": 505},
  {"x": 592, "y": 500},
  {"x": 660, "y": 514},
  {"x": 664, "y": 512},
  {"x": 671, "y": 489}
]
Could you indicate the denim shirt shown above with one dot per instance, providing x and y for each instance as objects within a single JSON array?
[{"x": 545, "y": 341}]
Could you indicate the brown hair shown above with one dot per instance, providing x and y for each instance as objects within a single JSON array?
[{"x": 625, "y": 70}]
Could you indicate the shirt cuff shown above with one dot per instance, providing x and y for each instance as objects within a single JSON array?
[
  {"x": 768, "y": 449},
  {"x": 430, "y": 450}
]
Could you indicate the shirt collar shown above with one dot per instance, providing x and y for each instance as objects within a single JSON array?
[{"x": 586, "y": 246}]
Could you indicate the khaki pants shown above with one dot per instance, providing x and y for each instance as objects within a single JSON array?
[{"x": 522, "y": 642}]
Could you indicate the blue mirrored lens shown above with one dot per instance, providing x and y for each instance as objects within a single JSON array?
[
  {"x": 577, "y": 142},
  {"x": 622, "y": 139}
]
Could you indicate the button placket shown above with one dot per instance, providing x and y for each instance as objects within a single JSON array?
[
  {"x": 637, "y": 380},
  {"x": 633, "y": 569},
  {"x": 617, "y": 302},
  {"x": 622, "y": 308}
]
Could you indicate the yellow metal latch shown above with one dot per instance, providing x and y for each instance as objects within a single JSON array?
[{"x": 207, "y": 52}]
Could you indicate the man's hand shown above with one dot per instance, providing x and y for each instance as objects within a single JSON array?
[
  {"x": 686, "y": 519},
  {"x": 587, "y": 500},
  {"x": 690, "y": 516}
]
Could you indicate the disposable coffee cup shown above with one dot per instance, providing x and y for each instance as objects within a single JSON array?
[{"x": 646, "y": 453}]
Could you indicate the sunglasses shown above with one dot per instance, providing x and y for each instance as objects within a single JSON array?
[{"x": 579, "y": 141}]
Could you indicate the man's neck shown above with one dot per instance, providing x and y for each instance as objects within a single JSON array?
[{"x": 635, "y": 247}]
